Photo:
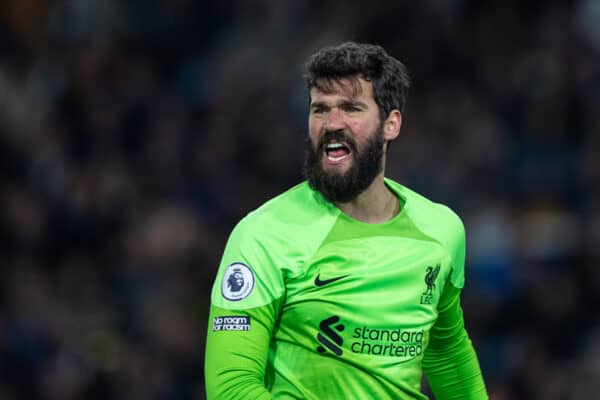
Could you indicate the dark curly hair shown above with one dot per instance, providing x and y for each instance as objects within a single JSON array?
[{"x": 351, "y": 60}]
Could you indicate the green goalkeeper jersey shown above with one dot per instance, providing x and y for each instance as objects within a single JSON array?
[{"x": 310, "y": 303}]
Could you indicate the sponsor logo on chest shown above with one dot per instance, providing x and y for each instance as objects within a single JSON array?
[{"x": 393, "y": 342}]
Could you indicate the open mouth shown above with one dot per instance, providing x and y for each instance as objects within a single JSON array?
[{"x": 336, "y": 151}]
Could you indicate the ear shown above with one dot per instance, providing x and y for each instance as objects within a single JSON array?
[{"x": 392, "y": 124}]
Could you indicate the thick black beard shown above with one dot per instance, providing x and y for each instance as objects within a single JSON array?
[{"x": 343, "y": 188}]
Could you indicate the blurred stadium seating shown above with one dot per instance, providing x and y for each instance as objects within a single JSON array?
[{"x": 134, "y": 135}]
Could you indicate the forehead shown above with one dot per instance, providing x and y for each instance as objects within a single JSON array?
[{"x": 348, "y": 88}]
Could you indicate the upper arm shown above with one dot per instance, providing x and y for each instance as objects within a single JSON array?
[
  {"x": 245, "y": 303},
  {"x": 457, "y": 247}
]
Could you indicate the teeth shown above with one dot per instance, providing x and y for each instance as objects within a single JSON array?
[{"x": 332, "y": 146}]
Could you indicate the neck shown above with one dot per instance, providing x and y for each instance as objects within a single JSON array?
[{"x": 375, "y": 205}]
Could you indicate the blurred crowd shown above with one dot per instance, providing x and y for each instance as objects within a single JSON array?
[{"x": 134, "y": 135}]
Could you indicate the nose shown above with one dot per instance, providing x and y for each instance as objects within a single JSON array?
[{"x": 334, "y": 120}]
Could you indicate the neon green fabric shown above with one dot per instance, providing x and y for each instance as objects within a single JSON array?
[
  {"x": 311, "y": 304},
  {"x": 450, "y": 363}
]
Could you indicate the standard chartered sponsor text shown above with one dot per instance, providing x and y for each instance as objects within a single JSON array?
[{"x": 388, "y": 342}]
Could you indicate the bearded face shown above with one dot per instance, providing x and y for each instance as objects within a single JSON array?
[{"x": 343, "y": 186}]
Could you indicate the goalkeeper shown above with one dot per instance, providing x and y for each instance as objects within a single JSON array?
[{"x": 347, "y": 286}]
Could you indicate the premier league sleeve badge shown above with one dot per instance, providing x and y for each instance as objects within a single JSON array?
[{"x": 238, "y": 282}]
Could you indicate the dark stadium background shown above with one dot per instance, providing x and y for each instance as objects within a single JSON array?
[{"x": 134, "y": 134}]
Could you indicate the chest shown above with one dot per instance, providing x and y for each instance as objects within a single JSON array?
[{"x": 383, "y": 281}]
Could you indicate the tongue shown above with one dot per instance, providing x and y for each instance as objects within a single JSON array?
[{"x": 337, "y": 153}]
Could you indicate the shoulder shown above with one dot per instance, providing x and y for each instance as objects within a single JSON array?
[
  {"x": 281, "y": 235},
  {"x": 435, "y": 219},
  {"x": 299, "y": 205},
  {"x": 298, "y": 214}
]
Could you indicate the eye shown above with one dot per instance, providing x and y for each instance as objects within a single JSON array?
[
  {"x": 351, "y": 108},
  {"x": 317, "y": 110}
]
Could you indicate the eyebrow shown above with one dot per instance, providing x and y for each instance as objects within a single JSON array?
[{"x": 343, "y": 102}]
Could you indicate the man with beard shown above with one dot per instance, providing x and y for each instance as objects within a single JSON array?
[{"x": 350, "y": 282}]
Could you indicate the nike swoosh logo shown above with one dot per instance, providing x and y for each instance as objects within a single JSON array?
[{"x": 319, "y": 282}]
